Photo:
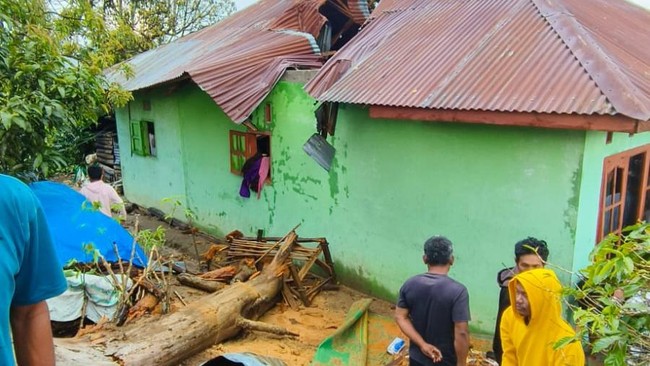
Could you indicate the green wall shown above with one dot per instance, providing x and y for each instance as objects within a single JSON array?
[
  {"x": 393, "y": 185},
  {"x": 596, "y": 150},
  {"x": 147, "y": 180}
]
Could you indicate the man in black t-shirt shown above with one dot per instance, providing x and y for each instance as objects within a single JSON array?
[{"x": 433, "y": 310}]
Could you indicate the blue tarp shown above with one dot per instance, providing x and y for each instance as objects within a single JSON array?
[{"x": 74, "y": 225}]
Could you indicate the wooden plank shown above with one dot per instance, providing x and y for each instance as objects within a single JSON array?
[
  {"x": 104, "y": 151},
  {"x": 615, "y": 123},
  {"x": 307, "y": 266},
  {"x": 276, "y": 238},
  {"x": 105, "y": 156},
  {"x": 328, "y": 257},
  {"x": 288, "y": 297},
  {"x": 298, "y": 283},
  {"x": 316, "y": 289}
]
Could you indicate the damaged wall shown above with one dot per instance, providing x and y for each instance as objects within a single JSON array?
[{"x": 393, "y": 184}]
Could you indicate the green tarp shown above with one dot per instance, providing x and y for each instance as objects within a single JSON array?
[{"x": 361, "y": 340}]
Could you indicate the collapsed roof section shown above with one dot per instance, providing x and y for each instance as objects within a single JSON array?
[
  {"x": 564, "y": 57},
  {"x": 238, "y": 60}
]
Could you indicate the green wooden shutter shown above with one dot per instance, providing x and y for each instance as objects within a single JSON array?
[
  {"x": 237, "y": 151},
  {"x": 144, "y": 128},
  {"x": 137, "y": 145}
]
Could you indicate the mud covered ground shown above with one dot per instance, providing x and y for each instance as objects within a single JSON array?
[{"x": 313, "y": 323}]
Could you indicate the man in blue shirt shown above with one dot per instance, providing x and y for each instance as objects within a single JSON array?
[{"x": 29, "y": 274}]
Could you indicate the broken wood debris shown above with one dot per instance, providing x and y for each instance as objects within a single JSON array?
[
  {"x": 220, "y": 274},
  {"x": 302, "y": 285},
  {"x": 264, "y": 327},
  {"x": 200, "y": 283},
  {"x": 201, "y": 323}
]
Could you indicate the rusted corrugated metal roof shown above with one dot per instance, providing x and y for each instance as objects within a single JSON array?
[
  {"x": 560, "y": 56},
  {"x": 238, "y": 60}
]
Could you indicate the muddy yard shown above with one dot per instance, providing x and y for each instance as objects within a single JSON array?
[{"x": 312, "y": 324}]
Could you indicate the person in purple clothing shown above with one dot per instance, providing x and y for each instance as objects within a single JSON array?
[
  {"x": 433, "y": 310},
  {"x": 29, "y": 274}
]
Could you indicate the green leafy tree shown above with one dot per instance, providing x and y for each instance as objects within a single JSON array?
[
  {"x": 52, "y": 57},
  {"x": 44, "y": 90},
  {"x": 135, "y": 26},
  {"x": 613, "y": 299}
]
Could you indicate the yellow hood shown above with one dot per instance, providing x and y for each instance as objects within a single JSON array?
[
  {"x": 544, "y": 290},
  {"x": 534, "y": 341}
]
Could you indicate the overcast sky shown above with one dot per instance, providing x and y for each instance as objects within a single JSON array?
[{"x": 240, "y": 4}]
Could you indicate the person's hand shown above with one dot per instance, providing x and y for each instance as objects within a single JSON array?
[{"x": 431, "y": 351}]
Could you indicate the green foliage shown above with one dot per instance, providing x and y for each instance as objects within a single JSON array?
[
  {"x": 613, "y": 312},
  {"x": 45, "y": 92},
  {"x": 131, "y": 27},
  {"x": 151, "y": 240},
  {"x": 52, "y": 87},
  {"x": 89, "y": 248}
]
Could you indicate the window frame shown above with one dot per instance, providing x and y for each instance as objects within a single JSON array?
[
  {"x": 610, "y": 166},
  {"x": 248, "y": 149},
  {"x": 139, "y": 131}
]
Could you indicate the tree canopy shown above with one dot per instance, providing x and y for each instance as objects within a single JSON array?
[
  {"x": 43, "y": 91},
  {"x": 52, "y": 57},
  {"x": 134, "y": 26}
]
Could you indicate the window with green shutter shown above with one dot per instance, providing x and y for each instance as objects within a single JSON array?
[
  {"x": 143, "y": 138},
  {"x": 137, "y": 146},
  {"x": 244, "y": 145}
]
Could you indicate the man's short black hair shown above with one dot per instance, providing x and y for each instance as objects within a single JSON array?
[
  {"x": 438, "y": 251},
  {"x": 531, "y": 245},
  {"x": 95, "y": 172}
]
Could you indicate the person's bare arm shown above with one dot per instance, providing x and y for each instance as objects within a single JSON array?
[
  {"x": 404, "y": 322},
  {"x": 32, "y": 334},
  {"x": 461, "y": 342}
]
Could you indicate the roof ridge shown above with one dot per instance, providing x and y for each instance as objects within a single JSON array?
[{"x": 584, "y": 47}]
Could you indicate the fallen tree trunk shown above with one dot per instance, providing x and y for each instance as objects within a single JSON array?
[{"x": 171, "y": 339}]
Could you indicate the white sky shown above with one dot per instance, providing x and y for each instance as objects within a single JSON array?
[
  {"x": 240, "y": 4},
  {"x": 644, "y": 3}
]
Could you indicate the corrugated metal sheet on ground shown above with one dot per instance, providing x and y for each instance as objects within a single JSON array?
[
  {"x": 565, "y": 56},
  {"x": 238, "y": 60}
]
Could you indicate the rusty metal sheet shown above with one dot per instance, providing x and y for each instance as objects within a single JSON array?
[
  {"x": 494, "y": 55},
  {"x": 238, "y": 60}
]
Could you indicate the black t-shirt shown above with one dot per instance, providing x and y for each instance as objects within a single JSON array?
[{"x": 435, "y": 302}]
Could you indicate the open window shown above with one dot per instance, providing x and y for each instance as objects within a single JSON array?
[
  {"x": 143, "y": 138},
  {"x": 625, "y": 192},
  {"x": 326, "y": 116},
  {"x": 247, "y": 145}
]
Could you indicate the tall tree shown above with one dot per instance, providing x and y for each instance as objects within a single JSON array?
[
  {"x": 44, "y": 90},
  {"x": 135, "y": 26},
  {"x": 52, "y": 57}
]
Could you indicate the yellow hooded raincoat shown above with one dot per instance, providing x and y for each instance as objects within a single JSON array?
[{"x": 532, "y": 344}]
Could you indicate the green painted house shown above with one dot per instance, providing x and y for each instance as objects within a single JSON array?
[{"x": 491, "y": 124}]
